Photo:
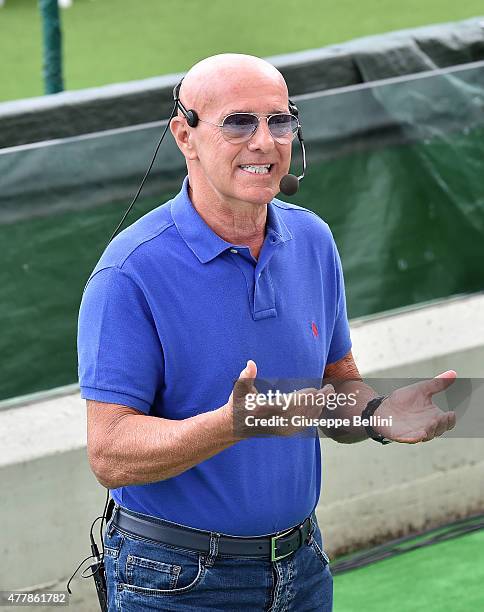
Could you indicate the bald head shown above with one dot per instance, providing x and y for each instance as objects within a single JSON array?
[
  {"x": 221, "y": 170},
  {"x": 225, "y": 76}
]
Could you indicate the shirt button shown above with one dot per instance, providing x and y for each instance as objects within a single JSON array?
[{"x": 234, "y": 251}]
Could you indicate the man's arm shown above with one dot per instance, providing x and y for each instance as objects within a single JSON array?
[
  {"x": 346, "y": 379},
  {"x": 127, "y": 447}
]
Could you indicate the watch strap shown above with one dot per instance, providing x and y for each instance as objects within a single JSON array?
[{"x": 368, "y": 412}]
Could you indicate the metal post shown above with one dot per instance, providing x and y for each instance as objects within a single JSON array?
[{"x": 52, "y": 37}]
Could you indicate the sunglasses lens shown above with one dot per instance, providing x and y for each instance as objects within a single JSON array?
[
  {"x": 239, "y": 127},
  {"x": 283, "y": 127}
]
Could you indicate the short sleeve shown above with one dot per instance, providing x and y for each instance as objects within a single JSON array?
[
  {"x": 340, "y": 343},
  {"x": 120, "y": 358}
]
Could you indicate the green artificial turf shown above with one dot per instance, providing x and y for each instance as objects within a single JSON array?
[
  {"x": 445, "y": 577},
  {"x": 109, "y": 41}
]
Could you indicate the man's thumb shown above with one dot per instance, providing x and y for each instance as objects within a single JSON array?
[
  {"x": 250, "y": 370},
  {"x": 244, "y": 384}
]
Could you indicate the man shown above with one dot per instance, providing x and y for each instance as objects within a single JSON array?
[{"x": 222, "y": 278}]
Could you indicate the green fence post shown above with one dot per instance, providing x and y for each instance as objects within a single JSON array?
[{"x": 52, "y": 44}]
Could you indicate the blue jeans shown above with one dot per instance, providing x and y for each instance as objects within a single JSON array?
[{"x": 144, "y": 575}]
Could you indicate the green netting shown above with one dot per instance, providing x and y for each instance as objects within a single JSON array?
[{"x": 395, "y": 168}]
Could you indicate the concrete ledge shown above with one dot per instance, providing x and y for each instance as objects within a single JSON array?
[
  {"x": 421, "y": 335},
  {"x": 370, "y": 493},
  {"x": 51, "y": 427}
]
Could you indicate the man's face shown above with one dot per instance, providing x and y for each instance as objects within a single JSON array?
[{"x": 224, "y": 168}]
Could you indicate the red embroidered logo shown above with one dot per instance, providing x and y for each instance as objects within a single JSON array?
[{"x": 314, "y": 327}]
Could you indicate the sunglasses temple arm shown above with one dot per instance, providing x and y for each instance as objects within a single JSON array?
[{"x": 303, "y": 151}]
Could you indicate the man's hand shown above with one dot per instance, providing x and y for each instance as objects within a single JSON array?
[
  {"x": 305, "y": 402},
  {"x": 415, "y": 418}
]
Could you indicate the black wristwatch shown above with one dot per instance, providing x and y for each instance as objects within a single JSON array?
[{"x": 367, "y": 413}]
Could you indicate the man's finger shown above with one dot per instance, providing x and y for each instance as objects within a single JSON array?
[
  {"x": 440, "y": 382},
  {"x": 326, "y": 390},
  {"x": 442, "y": 426},
  {"x": 413, "y": 438},
  {"x": 451, "y": 419},
  {"x": 430, "y": 431}
]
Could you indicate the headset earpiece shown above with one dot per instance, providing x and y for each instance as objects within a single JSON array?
[
  {"x": 190, "y": 115},
  {"x": 293, "y": 109}
]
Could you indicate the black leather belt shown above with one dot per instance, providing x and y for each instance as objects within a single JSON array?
[{"x": 274, "y": 547}]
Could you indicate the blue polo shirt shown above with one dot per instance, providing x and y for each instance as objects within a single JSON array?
[{"x": 169, "y": 317}]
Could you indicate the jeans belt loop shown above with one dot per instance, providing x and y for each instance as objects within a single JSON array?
[
  {"x": 112, "y": 520},
  {"x": 212, "y": 555},
  {"x": 309, "y": 539}
]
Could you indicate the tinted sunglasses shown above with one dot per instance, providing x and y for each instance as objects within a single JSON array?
[{"x": 240, "y": 127}]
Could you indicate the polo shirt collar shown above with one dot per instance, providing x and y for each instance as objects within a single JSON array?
[
  {"x": 275, "y": 225},
  {"x": 202, "y": 240}
]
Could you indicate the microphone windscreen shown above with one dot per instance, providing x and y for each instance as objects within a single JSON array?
[{"x": 289, "y": 184}]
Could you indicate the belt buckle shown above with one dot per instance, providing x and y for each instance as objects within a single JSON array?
[{"x": 274, "y": 544}]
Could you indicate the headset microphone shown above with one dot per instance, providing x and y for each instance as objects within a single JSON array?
[{"x": 290, "y": 182}]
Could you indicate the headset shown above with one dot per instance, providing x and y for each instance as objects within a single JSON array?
[{"x": 288, "y": 185}]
